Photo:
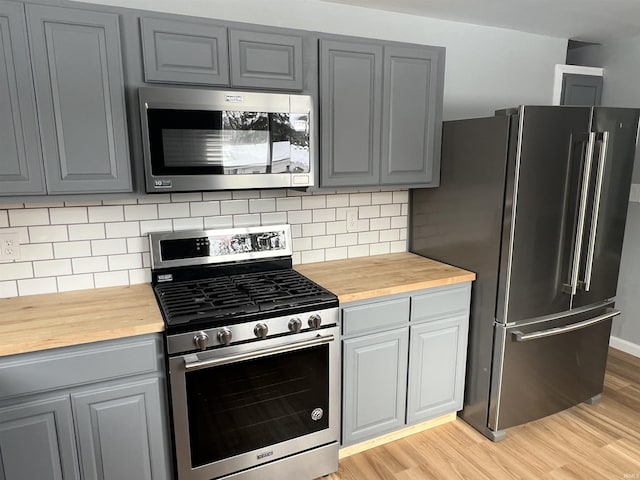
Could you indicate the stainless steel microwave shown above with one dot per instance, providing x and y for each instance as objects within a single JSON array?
[{"x": 196, "y": 139}]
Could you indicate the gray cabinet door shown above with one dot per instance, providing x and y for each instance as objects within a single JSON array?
[
  {"x": 21, "y": 163},
  {"x": 77, "y": 66},
  {"x": 437, "y": 360},
  {"x": 350, "y": 112},
  {"x": 265, "y": 60},
  {"x": 581, "y": 90},
  {"x": 120, "y": 432},
  {"x": 412, "y": 115},
  {"x": 176, "y": 51},
  {"x": 374, "y": 384},
  {"x": 36, "y": 441}
]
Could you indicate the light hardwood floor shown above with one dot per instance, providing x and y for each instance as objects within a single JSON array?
[{"x": 584, "y": 442}]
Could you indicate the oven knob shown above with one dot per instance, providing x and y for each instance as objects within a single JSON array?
[
  {"x": 261, "y": 330},
  {"x": 315, "y": 321},
  {"x": 224, "y": 336},
  {"x": 201, "y": 340},
  {"x": 295, "y": 324}
]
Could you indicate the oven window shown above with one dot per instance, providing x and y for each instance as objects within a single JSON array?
[
  {"x": 249, "y": 405},
  {"x": 193, "y": 142}
]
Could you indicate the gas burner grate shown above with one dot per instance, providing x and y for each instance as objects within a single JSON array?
[{"x": 237, "y": 295}]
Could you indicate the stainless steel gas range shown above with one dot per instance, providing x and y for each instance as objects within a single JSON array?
[{"x": 253, "y": 356}]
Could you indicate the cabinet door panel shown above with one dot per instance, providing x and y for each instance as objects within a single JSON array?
[
  {"x": 265, "y": 60},
  {"x": 411, "y": 116},
  {"x": 36, "y": 441},
  {"x": 120, "y": 432},
  {"x": 184, "y": 52},
  {"x": 437, "y": 361},
  {"x": 77, "y": 66},
  {"x": 350, "y": 108},
  {"x": 21, "y": 164},
  {"x": 374, "y": 384}
]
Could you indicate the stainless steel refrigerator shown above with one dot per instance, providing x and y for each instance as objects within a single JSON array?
[{"x": 534, "y": 201}]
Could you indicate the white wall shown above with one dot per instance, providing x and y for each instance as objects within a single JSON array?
[{"x": 486, "y": 68}]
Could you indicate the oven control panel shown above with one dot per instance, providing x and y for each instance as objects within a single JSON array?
[{"x": 220, "y": 337}]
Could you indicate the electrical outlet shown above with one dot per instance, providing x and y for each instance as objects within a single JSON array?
[
  {"x": 10, "y": 246},
  {"x": 352, "y": 219}
]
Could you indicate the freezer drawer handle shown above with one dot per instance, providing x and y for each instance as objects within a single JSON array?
[
  {"x": 523, "y": 337},
  {"x": 596, "y": 209}
]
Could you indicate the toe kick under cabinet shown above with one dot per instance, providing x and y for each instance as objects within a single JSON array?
[
  {"x": 404, "y": 359},
  {"x": 94, "y": 411}
]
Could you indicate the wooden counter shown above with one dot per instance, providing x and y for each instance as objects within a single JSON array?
[
  {"x": 367, "y": 277},
  {"x": 40, "y": 322}
]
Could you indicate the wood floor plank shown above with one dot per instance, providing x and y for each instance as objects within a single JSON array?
[{"x": 585, "y": 442}]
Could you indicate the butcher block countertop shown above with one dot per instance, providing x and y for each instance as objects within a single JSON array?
[
  {"x": 39, "y": 322},
  {"x": 368, "y": 277}
]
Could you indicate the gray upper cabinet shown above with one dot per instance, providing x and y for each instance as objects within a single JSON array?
[
  {"x": 21, "y": 166},
  {"x": 381, "y": 113},
  {"x": 177, "y": 51},
  {"x": 581, "y": 90},
  {"x": 37, "y": 442},
  {"x": 77, "y": 67},
  {"x": 412, "y": 115},
  {"x": 265, "y": 60},
  {"x": 350, "y": 109}
]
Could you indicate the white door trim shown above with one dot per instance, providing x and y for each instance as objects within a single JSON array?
[{"x": 576, "y": 69}]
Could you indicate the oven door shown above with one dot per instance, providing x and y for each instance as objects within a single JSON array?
[{"x": 238, "y": 407}]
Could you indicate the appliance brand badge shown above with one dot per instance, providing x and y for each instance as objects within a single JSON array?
[
  {"x": 162, "y": 183},
  {"x": 168, "y": 277},
  {"x": 317, "y": 414},
  {"x": 264, "y": 455},
  {"x": 234, "y": 98}
]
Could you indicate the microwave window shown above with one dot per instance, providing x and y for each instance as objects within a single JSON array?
[{"x": 187, "y": 142}]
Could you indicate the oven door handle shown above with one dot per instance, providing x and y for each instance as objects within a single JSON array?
[{"x": 189, "y": 365}]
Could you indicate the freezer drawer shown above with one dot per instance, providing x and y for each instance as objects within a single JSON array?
[{"x": 544, "y": 367}]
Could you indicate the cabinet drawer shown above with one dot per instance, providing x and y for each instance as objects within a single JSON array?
[
  {"x": 374, "y": 316},
  {"x": 68, "y": 366},
  {"x": 439, "y": 303}
]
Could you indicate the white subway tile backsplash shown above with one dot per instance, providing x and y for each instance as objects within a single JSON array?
[
  {"x": 112, "y": 246},
  {"x": 234, "y": 207},
  {"x": 296, "y": 231},
  {"x": 309, "y": 203},
  {"x": 324, "y": 241},
  {"x": 405, "y": 209},
  {"x": 300, "y": 244},
  {"x": 324, "y": 215},
  {"x": 379, "y": 248},
  {"x": 398, "y": 247},
  {"x": 313, "y": 229},
  {"x": 207, "y": 196},
  {"x": 191, "y": 223},
  {"x": 111, "y": 279},
  {"x": 346, "y": 239},
  {"x": 392, "y": 210},
  {"x": 125, "y": 262},
  {"x": 43, "y": 205},
  {"x": 55, "y": 233},
  {"x": 358, "y": 251},
  {"x": 245, "y": 194},
  {"x": 336, "y": 227},
  {"x": 113, "y": 213},
  {"x": 218, "y": 222},
  {"x": 205, "y": 209},
  {"x": 8, "y": 289},
  {"x": 150, "y": 226},
  {"x": 381, "y": 223},
  {"x": 401, "y": 196},
  {"x": 36, "y": 251},
  {"x": 372, "y": 211},
  {"x": 87, "y": 231},
  {"x": 140, "y": 212},
  {"x": 380, "y": 198},
  {"x": 28, "y": 217},
  {"x": 68, "y": 215},
  {"x": 357, "y": 199},
  {"x": 297, "y": 193},
  {"x": 36, "y": 286},
  {"x": 368, "y": 237},
  {"x": 338, "y": 253},
  {"x": 299, "y": 216},
  {"x": 125, "y": 201},
  {"x": 403, "y": 234},
  {"x": 246, "y": 220},
  {"x": 273, "y": 193},
  {"x": 72, "y": 249},
  {"x": 186, "y": 197},
  {"x": 338, "y": 200},
  {"x": 311, "y": 256},
  {"x": 173, "y": 210},
  {"x": 362, "y": 225},
  {"x": 140, "y": 275},
  {"x": 262, "y": 205},
  {"x": 52, "y": 268},
  {"x": 83, "y": 203},
  {"x": 16, "y": 270},
  {"x": 389, "y": 235},
  {"x": 398, "y": 222},
  {"x": 296, "y": 258},
  {"x": 273, "y": 218},
  {"x": 75, "y": 282},
  {"x": 146, "y": 260},
  {"x": 12, "y": 206},
  {"x": 90, "y": 264},
  {"x": 289, "y": 203},
  {"x": 138, "y": 244},
  {"x": 4, "y": 218},
  {"x": 155, "y": 198},
  {"x": 122, "y": 229}
]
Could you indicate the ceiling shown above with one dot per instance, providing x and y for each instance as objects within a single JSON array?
[{"x": 584, "y": 20}]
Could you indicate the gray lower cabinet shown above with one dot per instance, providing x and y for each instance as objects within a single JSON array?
[
  {"x": 37, "y": 441},
  {"x": 381, "y": 113},
  {"x": 404, "y": 359},
  {"x": 95, "y": 411}
]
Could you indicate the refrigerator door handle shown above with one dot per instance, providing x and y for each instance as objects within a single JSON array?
[
  {"x": 604, "y": 136},
  {"x": 582, "y": 213},
  {"x": 523, "y": 337}
]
